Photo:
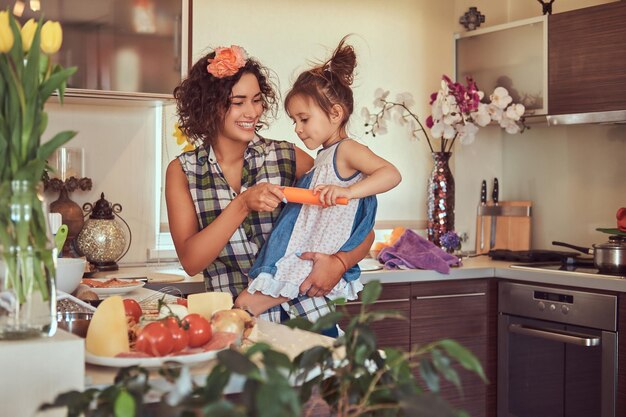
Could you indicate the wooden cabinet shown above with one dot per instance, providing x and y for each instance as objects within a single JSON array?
[
  {"x": 390, "y": 332},
  {"x": 465, "y": 311},
  {"x": 587, "y": 60}
]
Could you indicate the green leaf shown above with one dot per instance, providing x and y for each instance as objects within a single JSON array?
[
  {"x": 237, "y": 363},
  {"x": 299, "y": 323},
  {"x": 124, "y": 405},
  {"x": 428, "y": 374},
  {"x": 56, "y": 82},
  {"x": 273, "y": 360},
  {"x": 464, "y": 356},
  {"x": 277, "y": 399},
  {"x": 312, "y": 357},
  {"x": 327, "y": 321},
  {"x": 371, "y": 292},
  {"x": 57, "y": 141},
  {"x": 257, "y": 347},
  {"x": 215, "y": 383}
]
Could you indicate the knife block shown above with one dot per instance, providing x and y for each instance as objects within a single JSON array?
[{"x": 512, "y": 226}]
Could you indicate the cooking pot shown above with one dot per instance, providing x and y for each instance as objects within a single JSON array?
[{"x": 609, "y": 257}]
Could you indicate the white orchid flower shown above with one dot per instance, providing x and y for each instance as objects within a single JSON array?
[
  {"x": 481, "y": 116},
  {"x": 509, "y": 125},
  {"x": 399, "y": 117},
  {"x": 467, "y": 133},
  {"x": 379, "y": 129},
  {"x": 515, "y": 111},
  {"x": 441, "y": 129},
  {"x": 365, "y": 113},
  {"x": 495, "y": 112},
  {"x": 380, "y": 95},
  {"x": 405, "y": 98},
  {"x": 500, "y": 97},
  {"x": 452, "y": 118}
]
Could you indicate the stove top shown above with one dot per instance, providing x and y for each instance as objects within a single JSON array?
[{"x": 581, "y": 266}]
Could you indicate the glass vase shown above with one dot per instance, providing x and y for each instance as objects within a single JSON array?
[
  {"x": 27, "y": 285},
  {"x": 440, "y": 198}
]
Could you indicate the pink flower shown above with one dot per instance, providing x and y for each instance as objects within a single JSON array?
[{"x": 227, "y": 61}]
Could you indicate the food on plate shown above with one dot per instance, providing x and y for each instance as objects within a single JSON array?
[
  {"x": 121, "y": 328},
  {"x": 132, "y": 309},
  {"x": 155, "y": 339},
  {"x": 198, "y": 329},
  {"x": 179, "y": 333},
  {"x": 83, "y": 292},
  {"x": 177, "y": 310},
  {"x": 108, "y": 331},
  {"x": 110, "y": 283},
  {"x": 207, "y": 303},
  {"x": 235, "y": 321},
  {"x": 621, "y": 219}
]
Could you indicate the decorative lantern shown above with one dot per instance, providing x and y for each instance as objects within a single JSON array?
[{"x": 102, "y": 239}]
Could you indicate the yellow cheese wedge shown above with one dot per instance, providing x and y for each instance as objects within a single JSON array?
[
  {"x": 207, "y": 303},
  {"x": 108, "y": 331}
]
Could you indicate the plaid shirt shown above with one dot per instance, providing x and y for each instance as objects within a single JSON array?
[{"x": 264, "y": 161}]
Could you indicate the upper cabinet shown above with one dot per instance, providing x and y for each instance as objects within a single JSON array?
[
  {"x": 513, "y": 56},
  {"x": 587, "y": 61},
  {"x": 570, "y": 67},
  {"x": 129, "y": 49}
]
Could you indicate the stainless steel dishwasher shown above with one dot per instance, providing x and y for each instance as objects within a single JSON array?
[{"x": 557, "y": 352}]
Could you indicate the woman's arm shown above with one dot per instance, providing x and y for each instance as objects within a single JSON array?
[
  {"x": 198, "y": 248},
  {"x": 328, "y": 270}
]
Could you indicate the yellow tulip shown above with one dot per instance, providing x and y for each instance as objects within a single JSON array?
[
  {"x": 6, "y": 34},
  {"x": 28, "y": 33},
  {"x": 51, "y": 37}
]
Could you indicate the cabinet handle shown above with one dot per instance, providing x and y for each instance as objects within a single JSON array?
[
  {"x": 395, "y": 300},
  {"x": 434, "y": 297}
]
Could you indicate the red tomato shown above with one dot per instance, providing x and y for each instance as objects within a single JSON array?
[
  {"x": 155, "y": 339},
  {"x": 182, "y": 301},
  {"x": 179, "y": 334},
  {"x": 132, "y": 309},
  {"x": 198, "y": 328}
]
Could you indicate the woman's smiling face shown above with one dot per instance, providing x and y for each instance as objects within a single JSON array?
[{"x": 246, "y": 107}]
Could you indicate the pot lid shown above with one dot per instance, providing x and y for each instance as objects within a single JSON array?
[{"x": 614, "y": 243}]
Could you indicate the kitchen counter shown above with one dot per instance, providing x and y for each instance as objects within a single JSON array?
[
  {"x": 477, "y": 267},
  {"x": 484, "y": 267}
]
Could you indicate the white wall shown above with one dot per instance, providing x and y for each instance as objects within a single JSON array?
[
  {"x": 403, "y": 45},
  {"x": 573, "y": 174}
]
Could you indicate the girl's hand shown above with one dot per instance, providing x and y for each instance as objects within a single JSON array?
[
  {"x": 330, "y": 193},
  {"x": 326, "y": 273},
  {"x": 262, "y": 197}
]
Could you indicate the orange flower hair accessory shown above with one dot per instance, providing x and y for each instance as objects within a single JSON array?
[{"x": 227, "y": 61}]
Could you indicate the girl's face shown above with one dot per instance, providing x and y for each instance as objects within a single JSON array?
[
  {"x": 312, "y": 125},
  {"x": 246, "y": 107}
]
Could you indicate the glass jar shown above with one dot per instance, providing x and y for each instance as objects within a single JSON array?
[{"x": 27, "y": 285}]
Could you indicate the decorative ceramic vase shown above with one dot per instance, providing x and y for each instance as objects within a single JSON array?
[
  {"x": 440, "y": 198},
  {"x": 72, "y": 216},
  {"x": 27, "y": 285}
]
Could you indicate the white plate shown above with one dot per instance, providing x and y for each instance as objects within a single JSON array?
[
  {"x": 105, "y": 292},
  {"x": 370, "y": 265},
  {"x": 190, "y": 359}
]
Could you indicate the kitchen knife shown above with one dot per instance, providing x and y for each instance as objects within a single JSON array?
[
  {"x": 494, "y": 196},
  {"x": 483, "y": 201}
]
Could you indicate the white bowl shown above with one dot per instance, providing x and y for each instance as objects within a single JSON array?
[{"x": 69, "y": 273}]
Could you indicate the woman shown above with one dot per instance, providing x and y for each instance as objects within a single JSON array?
[{"x": 224, "y": 197}]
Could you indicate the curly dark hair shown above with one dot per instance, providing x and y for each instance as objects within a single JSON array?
[
  {"x": 329, "y": 82},
  {"x": 202, "y": 99}
]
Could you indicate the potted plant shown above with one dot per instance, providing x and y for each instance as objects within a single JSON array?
[{"x": 28, "y": 79}]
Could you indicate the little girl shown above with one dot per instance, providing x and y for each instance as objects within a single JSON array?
[{"x": 320, "y": 104}]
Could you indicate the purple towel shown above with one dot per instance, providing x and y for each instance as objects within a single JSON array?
[{"x": 413, "y": 251}]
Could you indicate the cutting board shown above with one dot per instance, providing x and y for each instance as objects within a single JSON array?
[{"x": 512, "y": 226}]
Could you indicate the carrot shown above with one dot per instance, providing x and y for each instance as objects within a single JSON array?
[{"x": 306, "y": 196}]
